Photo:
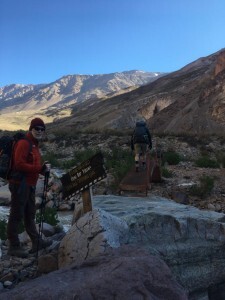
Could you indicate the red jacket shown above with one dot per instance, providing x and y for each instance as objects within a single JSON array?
[{"x": 25, "y": 161}]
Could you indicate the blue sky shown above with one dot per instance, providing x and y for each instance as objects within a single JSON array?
[{"x": 43, "y": 40}]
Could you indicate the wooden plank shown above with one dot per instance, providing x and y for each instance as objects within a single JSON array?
[
  {"x": 155, "y": 170},
  {"x": 136, "y": 181}
]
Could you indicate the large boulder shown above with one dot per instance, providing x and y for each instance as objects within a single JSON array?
[
  {"x": 189, "y": 240},
  {"x": 91, "y": 235},
  {"x": 124, "y": 273}
]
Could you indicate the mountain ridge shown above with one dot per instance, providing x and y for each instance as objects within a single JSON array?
[
  {"x": 65, "y": 91},
  {"x": 189, "y": 100}
]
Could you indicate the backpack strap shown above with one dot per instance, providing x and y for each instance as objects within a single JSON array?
[
  {"x": 30, "y": 144},
  {"x": 23, "y": 183},
  {"x": 18, "y": 174}
]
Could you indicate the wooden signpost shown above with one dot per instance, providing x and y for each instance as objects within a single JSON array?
[{"x": 81, "y": 179}]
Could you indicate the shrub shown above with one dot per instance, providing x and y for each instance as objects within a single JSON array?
[
  {"x": 50, "y": 216},
  {"x": 206, "y": 162},
  {"x": 166, "y": 173},
  {"x": 79, "y": 157},
  {"x": 52, "y": 158},
  {"x": 118, "y": 161},
  {"x": 171, "y": 157},
  {"x": 84, "y": 155},
  {"x": 205, "y": 187}
]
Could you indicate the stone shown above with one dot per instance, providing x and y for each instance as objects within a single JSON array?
[
  {"x": 50, "y": 204},
  {"x": 57, "y": 186},
  {"x": 218, "y": 207},
  {"x": 91, "y": 235},
  {"x": 180, "y": 197},
  {"x": 24, "y": 238},
  {"x": 124, "y": 273},
  {"x": 47, "y": 263},
  {"x": 48, "y": 230},
  {"x": 189, "y": 240},
  {"x": 211, "y": 206},
  {"x": 64, "y": 207},
  {"x": 38, "y": 201},
  {"x": 7, "y": 284}
]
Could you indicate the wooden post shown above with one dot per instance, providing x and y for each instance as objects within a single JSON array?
[{"x": 87, "y": 200}]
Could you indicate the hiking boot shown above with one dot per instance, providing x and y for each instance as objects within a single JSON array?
[
  {"x": 42, "y": 244},
  {"x": 144, "y": 166},
  {"x": 136, "y": 169},
  {"x": 17, "y": 251}
]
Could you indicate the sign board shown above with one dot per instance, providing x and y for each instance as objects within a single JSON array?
[{"x": 83, "y": 176}]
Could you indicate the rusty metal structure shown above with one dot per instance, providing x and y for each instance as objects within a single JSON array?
[{"x": 140, "y": 182}]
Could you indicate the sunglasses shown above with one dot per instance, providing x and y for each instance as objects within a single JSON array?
[{"x": 39, "y": 128}]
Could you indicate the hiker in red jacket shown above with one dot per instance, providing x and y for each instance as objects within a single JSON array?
[{"x": 26, "y": 167}]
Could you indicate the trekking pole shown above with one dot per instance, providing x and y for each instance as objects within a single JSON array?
[{"x": 42, "y": 210}]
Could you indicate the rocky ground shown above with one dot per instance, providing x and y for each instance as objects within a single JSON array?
[
  {"x": 15, "y": 270},
  {"x": 178, "y": 187},
  {"x": 186, "y": 174}
]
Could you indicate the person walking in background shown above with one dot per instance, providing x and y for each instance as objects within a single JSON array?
[
  {"x": 140, "y": 142},
  {"x": 25, "y": 169}
]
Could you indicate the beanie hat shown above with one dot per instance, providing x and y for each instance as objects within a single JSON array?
[{"x": 36, "y": 122}]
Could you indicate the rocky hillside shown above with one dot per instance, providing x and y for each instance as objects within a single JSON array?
[
  {"x": 188, "y": 100},
  {"x": 53, "y": 100}
]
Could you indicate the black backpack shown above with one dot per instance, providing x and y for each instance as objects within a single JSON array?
[
  {"x": 7, "y": 144},
  {"x": 140, "y": 134}
]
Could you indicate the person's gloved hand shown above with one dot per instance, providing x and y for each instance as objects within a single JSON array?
[{"x": 46, "y": 167}]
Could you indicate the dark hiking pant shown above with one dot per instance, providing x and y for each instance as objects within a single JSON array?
[{"x": 22, "y": 208}]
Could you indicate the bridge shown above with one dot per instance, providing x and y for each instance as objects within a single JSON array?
[{"x": 140, "y": 182}]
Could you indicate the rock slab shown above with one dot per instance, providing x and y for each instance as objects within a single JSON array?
[
  {"x": 91, "y": 235},
  {"x": 125, "y": 273}
]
